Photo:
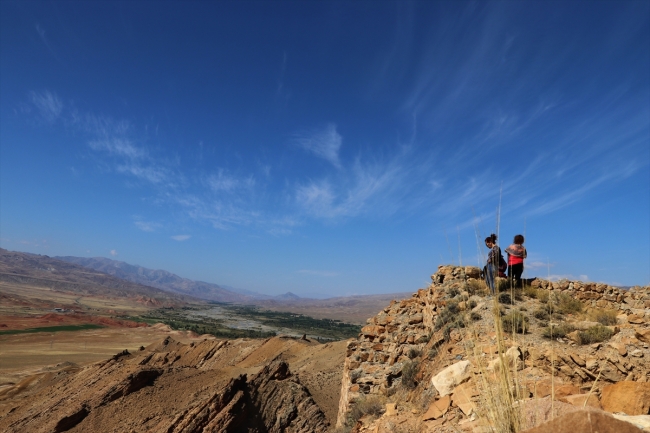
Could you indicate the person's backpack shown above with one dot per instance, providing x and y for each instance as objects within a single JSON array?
[{"x": 503, "y": 265}]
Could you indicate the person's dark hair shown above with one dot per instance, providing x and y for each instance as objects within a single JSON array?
[
  {"x": 519, "y": 239},
  {"x": 492, "y": 238}
]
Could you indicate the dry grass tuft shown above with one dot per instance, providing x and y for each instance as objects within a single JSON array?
[
  {"x": 604, "y": 317},
  {"x": 515, "y": 321},
  {"x": 409, "y": 371},
  {"x": 373, "y": 405}
]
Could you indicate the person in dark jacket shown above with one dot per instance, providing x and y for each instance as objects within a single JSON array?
[
  {"x": 493, "y": 261},
  {"x": 516, "y": 255}
]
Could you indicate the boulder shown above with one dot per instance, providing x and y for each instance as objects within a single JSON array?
[
  {"x": 642, "y": 334},
  {"x": 631, "y": 398},
  {"x": 587, "y": 421},
  {"x": 641, "y": 421},
  {"x": 579, "y": 400},
  {"x": 451, "y": 377}
]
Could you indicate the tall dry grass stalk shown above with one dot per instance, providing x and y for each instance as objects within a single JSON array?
[{"x": 498, "y": 384}]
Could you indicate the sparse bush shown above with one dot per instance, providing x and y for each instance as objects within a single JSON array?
[
  {"x": 453, "y": 292},
  {"x": 567, "y": 304},
  {"x": 366, "y": 405},
  {"x": 476, "y": 287},
  {"x": 501, "y": 285},
  {"x": 543, "y": 296},
  {"x": 557, "y": 330},
  {"x": 504, "y": 298},
  {"x": 433, "y": 352},
  {"x": 515, "y": 321},
  {"x": 414, "y": 353},
  {"x": 523, "y": 309},
  {"x": 541, "y": 314},
  {"x": 446, "y": 332},
  {"x": 474, "y": 316},
  {"x": 595, "y": 334},
  {"x": 471, "y": 304},
  {"x": 530, "y": 291},
  {"x": 448, "y": 319},
  {"x": 604, "y": 317},
  {"x": 409, "y": 371}
]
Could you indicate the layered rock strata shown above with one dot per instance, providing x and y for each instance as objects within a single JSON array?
[{"x": 174, "y": 388}]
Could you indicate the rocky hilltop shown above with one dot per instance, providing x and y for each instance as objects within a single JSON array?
[{"x": 428, "y": 363}]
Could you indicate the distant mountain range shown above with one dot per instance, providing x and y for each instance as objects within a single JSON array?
[
  {"x": 164, "y": 280},
  {"x": 44, "y": 271}
]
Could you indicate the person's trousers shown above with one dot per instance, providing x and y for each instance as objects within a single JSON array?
[
  {"x": 490, "y": 274},
  {"x": 514, "y": 273}
]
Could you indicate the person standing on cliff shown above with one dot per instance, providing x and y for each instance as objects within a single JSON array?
[
  {"x": 516, "y": 255},
  {"x": 493, "y": 261}
]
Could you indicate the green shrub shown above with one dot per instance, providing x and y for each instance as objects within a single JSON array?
[
  {"x": 558, "y": 330},
  {"x": 515, "y": 321},
  {"x": 595, "y": 334},
  {"x": 409, "y": 371},
  {"x": 453, "y": 292}
]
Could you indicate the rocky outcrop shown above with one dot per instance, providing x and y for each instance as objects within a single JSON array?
[
  {"x": 175, "y": 388},
  {"x": 422, "y": 329}
]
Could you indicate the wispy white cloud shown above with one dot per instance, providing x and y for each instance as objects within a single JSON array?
[
  {"x": 41, "y": 34},
  {"x": 570, "y": 277},
  {"x": 324, "y": 143},
  {"x": 113, "y": 253},
  {"x": 48, "y": 105},
  {"x": 147, "y": 226},
  {"x": 119, "y": 146},
  {"x": 221, "y": 181},
  {"x": 181, "y": 238}
]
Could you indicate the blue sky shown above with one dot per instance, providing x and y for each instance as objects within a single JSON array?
[{"x": 328, "y": 148}]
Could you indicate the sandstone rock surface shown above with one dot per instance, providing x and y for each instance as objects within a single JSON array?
[
  {"x": 585, "y": 422},
  {"x": 631, "y": 398}
]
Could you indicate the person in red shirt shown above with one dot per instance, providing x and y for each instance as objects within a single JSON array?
[{"x": 516, "y": 255}]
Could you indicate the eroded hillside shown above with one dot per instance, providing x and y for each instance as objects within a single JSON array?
[{"x": 273, "y": 385}]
